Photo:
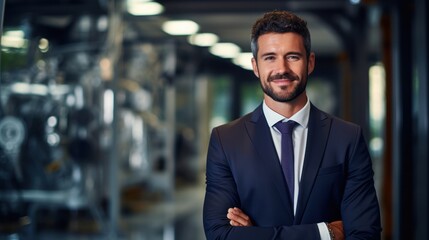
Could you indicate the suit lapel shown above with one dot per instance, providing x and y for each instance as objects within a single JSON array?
[
  {"x": 318, "y": 131},
  {"x": 262, "y": 140}
]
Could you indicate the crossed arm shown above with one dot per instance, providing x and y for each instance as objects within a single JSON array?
[{"x": 239, "y": 219}]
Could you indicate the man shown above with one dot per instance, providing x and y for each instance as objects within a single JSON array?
[{"x": 328, "y": 193}]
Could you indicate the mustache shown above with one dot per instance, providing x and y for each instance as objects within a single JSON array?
[{"x": 282, "y": 76}]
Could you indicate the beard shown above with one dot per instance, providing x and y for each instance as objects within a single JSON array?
[{"x": 284, "y": 96}]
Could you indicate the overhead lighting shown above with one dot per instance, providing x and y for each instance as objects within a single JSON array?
[
  {"x": 225, "y": 50},
  {"x": 27, "y": 88},
  {"x": 144, "y": 8},
  {"x": 244, "y": 60},
  {"x": 15, "y": 33},
  {"x": 14, "y": 39},
  {"x": 180, "y": 27},
  {"x": 43, "y": 45},
  {"x": 203, "y": 39}
]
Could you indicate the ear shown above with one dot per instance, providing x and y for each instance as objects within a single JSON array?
[
  {"x": 311, "y": 63},
  {"x": 255, "y": 67}
]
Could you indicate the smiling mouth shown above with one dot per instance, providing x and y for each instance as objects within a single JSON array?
[{"x": 282, "y": 80}]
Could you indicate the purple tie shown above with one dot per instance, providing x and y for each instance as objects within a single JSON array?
[{"x": 286, "y": 158}]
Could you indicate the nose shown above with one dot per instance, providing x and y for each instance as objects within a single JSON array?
[{"x": 283, "y": 66}]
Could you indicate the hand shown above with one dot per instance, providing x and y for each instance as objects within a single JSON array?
[
  {"x": 337, "y": 228},
  {"x": 238, "y": 218}
]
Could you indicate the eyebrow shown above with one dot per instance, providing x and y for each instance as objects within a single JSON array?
[
  {"x": 295, "y": 53},
  {"x": 289, "y": 53}
]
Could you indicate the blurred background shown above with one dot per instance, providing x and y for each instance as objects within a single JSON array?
[{"x": 106, "y": 107}]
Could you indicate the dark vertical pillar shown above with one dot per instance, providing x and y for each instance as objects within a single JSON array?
[
  {"x": 2, "y": 3},
  {"x": 402, "y": 121},
  {"x": 360, "y": 67},
  {"x": 386, "y": 195},
  {"x": 421, "y": 119}
]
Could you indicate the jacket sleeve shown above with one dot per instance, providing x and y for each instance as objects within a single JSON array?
[
  {"x": 221, "y": 194},
  {"x": 359, "y": 209}
]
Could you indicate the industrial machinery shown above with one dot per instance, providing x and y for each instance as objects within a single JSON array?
[{"x": 76, "y": 129}]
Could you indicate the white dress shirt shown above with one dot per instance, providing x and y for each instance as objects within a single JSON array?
[{"x": 299, "y": 139}]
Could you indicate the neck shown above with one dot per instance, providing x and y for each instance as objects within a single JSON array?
[{"x": 287, "y": 109}]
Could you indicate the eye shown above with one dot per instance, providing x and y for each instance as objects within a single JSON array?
[
  {"x": 293, "y": 58},
  {"x": 268, "y": 58}
]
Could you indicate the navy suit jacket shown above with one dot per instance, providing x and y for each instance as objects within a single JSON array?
[{"x": 243, "y": 170}]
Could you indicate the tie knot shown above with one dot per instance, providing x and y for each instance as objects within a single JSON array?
[{"x": 286, "y": 127}]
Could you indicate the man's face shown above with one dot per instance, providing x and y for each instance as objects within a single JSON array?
[{"x": 282, "y": 66}]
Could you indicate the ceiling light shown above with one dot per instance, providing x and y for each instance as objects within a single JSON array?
[
  {"x": 180, "y": 27},
  {"x": 14, "y": 39},
  {"x": 203, "y": 39},
  {"x": 225, "y": 50},
  {"x": 144, "y": 8},
  {"x": 15, "y": 33},
  {"x": 27, "y": 88},
  {"x": 244, "y": 60},
  {"x": 43, "y": 45}
]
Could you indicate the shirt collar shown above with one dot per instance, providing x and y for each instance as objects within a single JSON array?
[{"x": 301, "y": 117}]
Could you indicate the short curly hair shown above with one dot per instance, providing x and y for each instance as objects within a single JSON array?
[{"x": 279, "y": 22}]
